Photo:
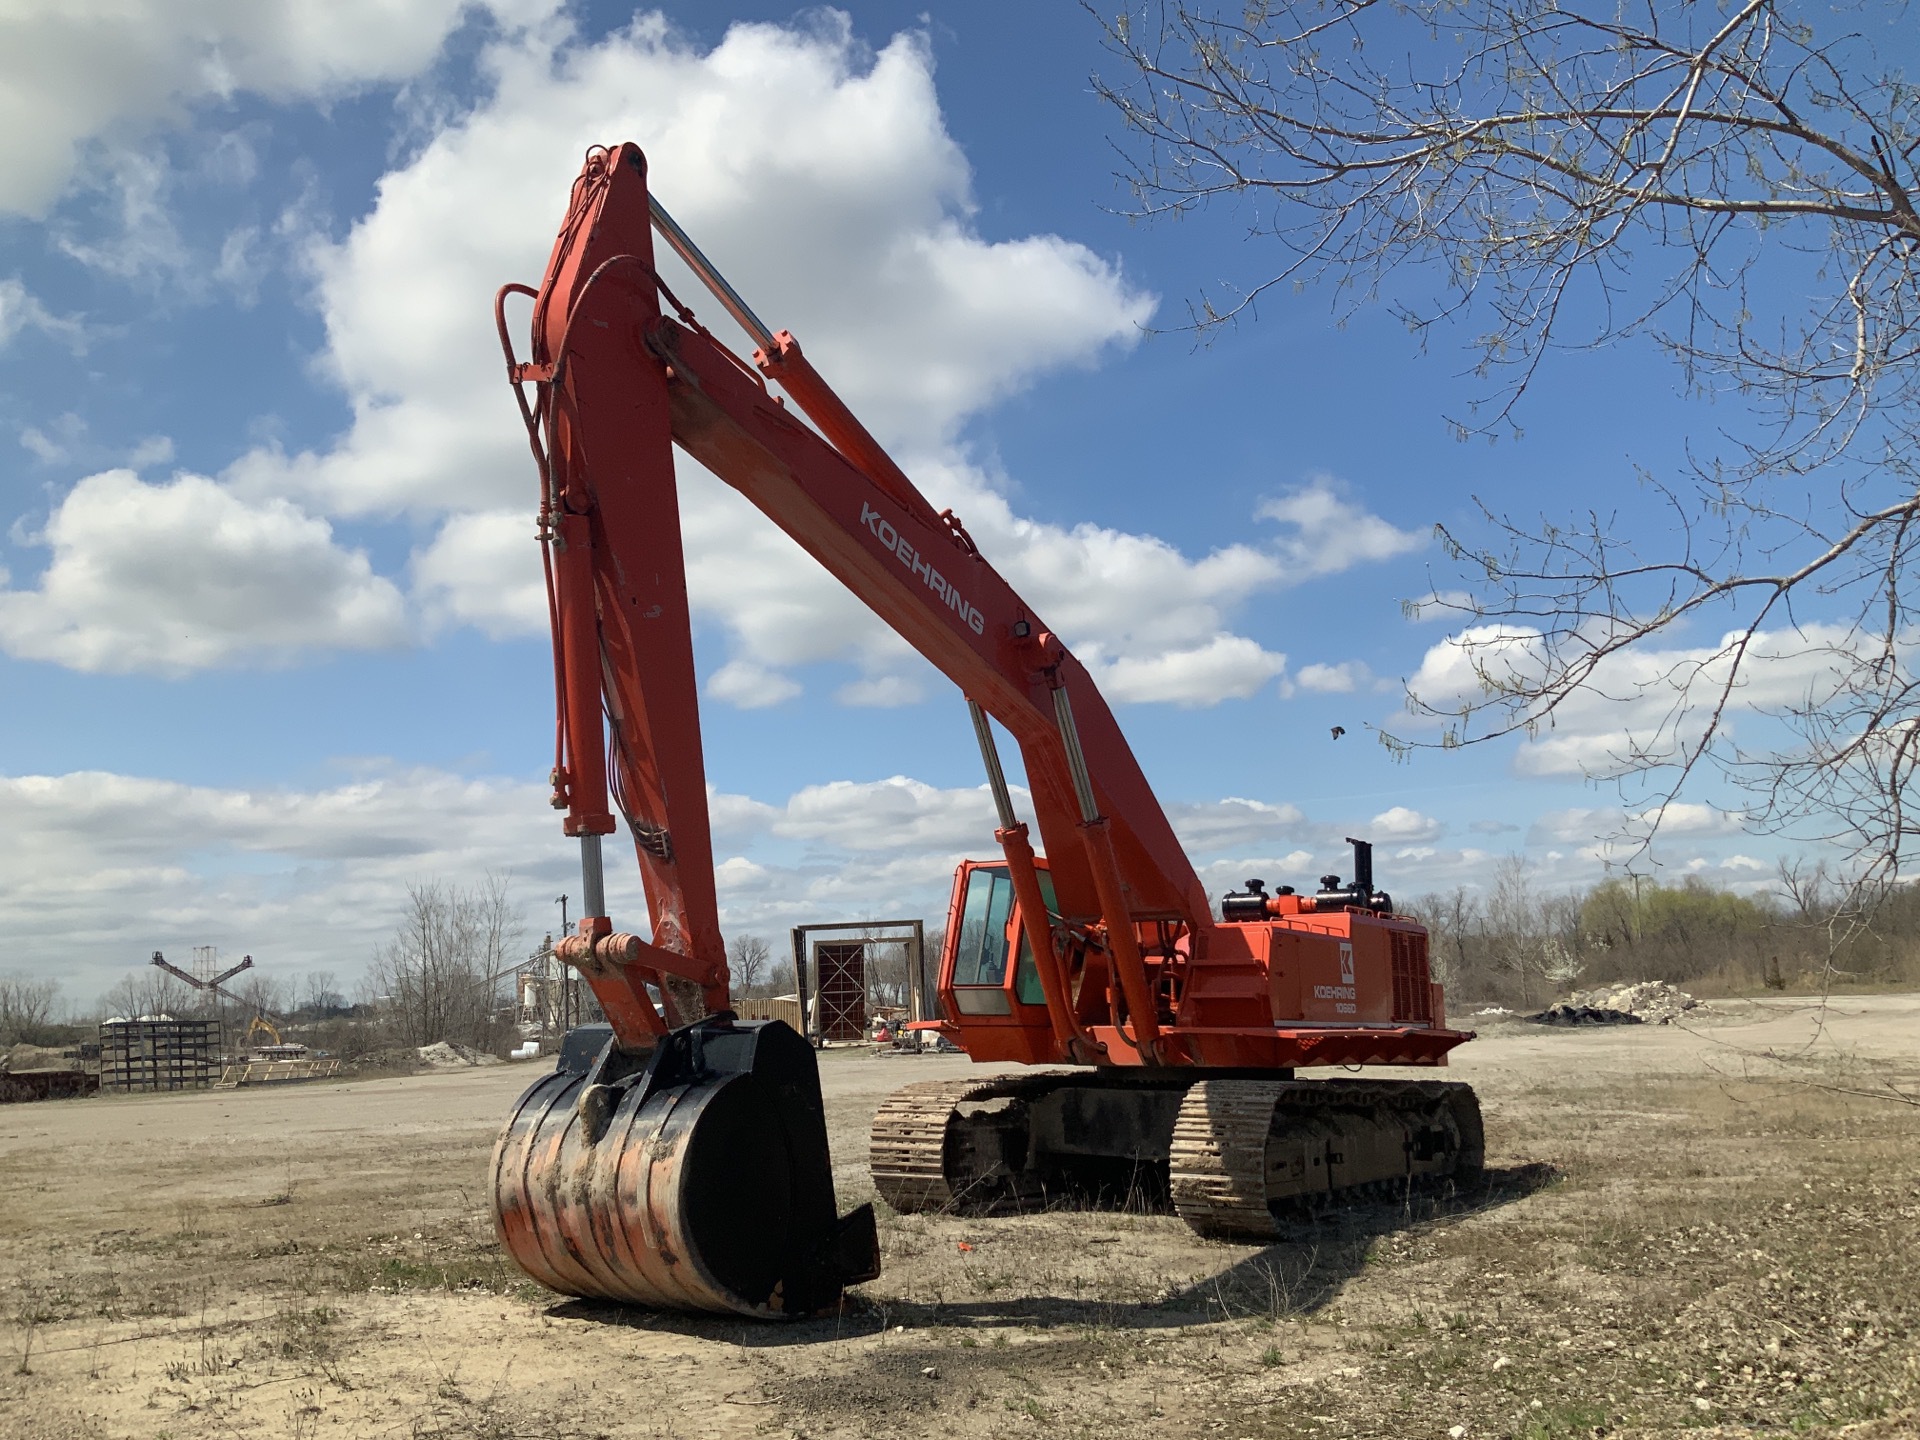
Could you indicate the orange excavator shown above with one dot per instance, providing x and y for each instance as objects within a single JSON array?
[{"x": 677, "y": 1156}]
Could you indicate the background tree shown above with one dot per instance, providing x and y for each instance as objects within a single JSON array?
[
  {"x": 1736, "y": 184},
  {"x": 152, "y": 991},
  {"x": 257, "y": 993},
  {"x": 320, "y": 995},
  {"x": 889, "y": 967},
  {"x": 1454, "y": 922},
  {"x": 749, "y": 957},
  {"x": 439, "y": 977},
  {"x": 29, "y": 1009},
  {"x": 1527, "y": 932}
]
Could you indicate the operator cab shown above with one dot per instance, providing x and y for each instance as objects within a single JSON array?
[{"x": 1001, "y": 1011}]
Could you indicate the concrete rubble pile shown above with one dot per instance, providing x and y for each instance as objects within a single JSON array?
[
  {"x": 1645, "y": 1002},
  {"x": 452, "y": 1055},
  {"x": 22, "y": 1059},
  {"x": 1653, "y": 1001}
]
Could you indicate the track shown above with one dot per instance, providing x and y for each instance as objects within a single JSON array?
[
  {"x": 1247, "y": 1151},
  {"x": 918, "y": 1160},
  {"x": 1229, "y": 1155}
]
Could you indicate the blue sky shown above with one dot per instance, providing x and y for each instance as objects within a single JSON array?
[{"x": 268, "y": 646}]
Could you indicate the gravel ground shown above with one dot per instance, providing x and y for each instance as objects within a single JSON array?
[{"x": 1705, "y": 1227}]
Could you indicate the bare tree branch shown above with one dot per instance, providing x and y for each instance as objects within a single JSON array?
[{"x": 1731, "y": 183}]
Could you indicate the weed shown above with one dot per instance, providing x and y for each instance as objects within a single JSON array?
[
  {"x": 357, "y": 1271},
  {"x": 211, "y": 1360},
  {"x": 306, "y": 1334},
  {"x": 190, "y": 1221},
  {"x": 1551, "y": 1423}
]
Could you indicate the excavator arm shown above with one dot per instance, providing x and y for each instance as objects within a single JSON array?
[{"x": 617, "y": 381}]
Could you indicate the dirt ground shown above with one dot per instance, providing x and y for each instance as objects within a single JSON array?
[{"x": 1713, "y": 1228}]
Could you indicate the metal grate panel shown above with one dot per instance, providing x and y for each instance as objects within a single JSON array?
[
  {"x": 842, "y": 967},
  {"x": 159, "y": 1054},
  {"x": 1412, "y": 995}
]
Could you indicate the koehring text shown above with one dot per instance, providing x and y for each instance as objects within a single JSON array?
[{"x": 893, "y": 540}]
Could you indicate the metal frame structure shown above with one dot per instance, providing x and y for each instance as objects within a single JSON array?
[
  {"x": 916, "y": 968},
  {"x": 141, "y": 1055}
]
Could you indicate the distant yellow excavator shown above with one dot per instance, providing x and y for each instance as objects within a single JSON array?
[{"x": 260, "y": 1022}]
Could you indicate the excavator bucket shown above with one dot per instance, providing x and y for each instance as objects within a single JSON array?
[{"x": 694, "y": 1176}]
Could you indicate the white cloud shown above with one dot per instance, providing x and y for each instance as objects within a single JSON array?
[
  {"x": 154, "y": 450},
  {"x": 104, "y": 868},
  {"x": 750, "y": 686},
  {"x": 483, "y": 570},
  {"x": 141, "y": 239},
  {"x": 85, "y": 69},
  {"x": 175, "y": 577},
  {"x": 1296, "y": 868},
  {"x": 21, "y": 311},
  {"x": 1633, "y": 701},
  {"x": 1688, "y": 818},
  {"x": 737, "y": 874},
  {"x": 1207, "y": 828},
  {"x": 1342, "y": 679},
  {"x": 880, "y": 692},
  {"x": 66, "y": 441},
  {"x": 895, "y": 814},
  {"x": 1330, "y": 534},
  {"x": 1402, "y": 825},
  {"x": 68, "y": 432},
  {"x": 877, "y": 250},
  {"x": 1227, "y": 667},
  {"x": 737, "y": 820},
  {"x": 1576, "y": 826}
]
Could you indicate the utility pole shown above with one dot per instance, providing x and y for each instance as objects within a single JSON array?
[{"x": 560, "y": 976}]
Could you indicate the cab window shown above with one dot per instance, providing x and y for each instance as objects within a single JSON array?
[
  {"x": 982, "y": 957},
  {"x": 1026, "y": 978}
]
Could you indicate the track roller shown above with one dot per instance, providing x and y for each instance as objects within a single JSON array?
[{"x": 694, "y": 1176}]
